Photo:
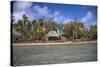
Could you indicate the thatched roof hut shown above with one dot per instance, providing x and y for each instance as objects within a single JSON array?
[{"x": 52, "y": 34}]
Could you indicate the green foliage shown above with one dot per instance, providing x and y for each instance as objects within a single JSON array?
[
  {"x": 72, "y": 30},
  {"x": 93, "y": 32},
  {"x": 33, "y": 22}
]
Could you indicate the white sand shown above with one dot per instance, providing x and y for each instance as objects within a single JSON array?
[{"x": 68, "y": 42}]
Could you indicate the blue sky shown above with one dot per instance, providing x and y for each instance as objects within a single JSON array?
[{"x": 62, "y": 13}]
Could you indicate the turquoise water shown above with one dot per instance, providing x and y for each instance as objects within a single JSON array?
[{"x": 37, "y": 55}]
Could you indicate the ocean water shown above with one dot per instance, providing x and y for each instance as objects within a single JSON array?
[{"x": 38, "y": 55}]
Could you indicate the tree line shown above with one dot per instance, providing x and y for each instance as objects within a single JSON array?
[{"x": 36, "y": 30}]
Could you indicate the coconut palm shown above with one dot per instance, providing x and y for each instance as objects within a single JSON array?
[{"x": 93, "y": 31}]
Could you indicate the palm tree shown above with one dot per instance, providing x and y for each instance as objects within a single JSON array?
[
  {"x": 93, "y": 31},
  {"x": 39, "y": 31},
  {"x": 72, "y": 26},
  {"x": 25, "y": 19},
  {"x": 22, "y": 27},
  {"x": 33, "y": 22},
  {"x": 33, "y": 31}
]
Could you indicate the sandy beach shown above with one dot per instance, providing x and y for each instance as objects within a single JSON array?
[{"x": 56, "y": 43}]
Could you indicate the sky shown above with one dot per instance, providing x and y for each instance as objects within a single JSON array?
[{"x": 61, "y": 13}]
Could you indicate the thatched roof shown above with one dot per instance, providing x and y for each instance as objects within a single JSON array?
[{"x": 52, "y": 34}]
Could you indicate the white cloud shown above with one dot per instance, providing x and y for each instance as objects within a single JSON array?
[
  {"x": 58, "y": 19},
  {"x": 18, "y": 15},
  {"x": 41, "y": 10},
  {"x": 20, "y": 8},
  {"x": 61, "y": 17},
  {"x": 94, "y": 23},
  {"x": 84, "y": 19},
  {"x": 55, "y": 19},
  {"x": 56, "y": 13},
  {"x": 21, "y": 5},
  {"x": 68, "y": 20},
  {"x": 87, "y": 17}
]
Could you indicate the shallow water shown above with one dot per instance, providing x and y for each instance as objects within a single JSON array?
[{"x": 37, "y": 55}]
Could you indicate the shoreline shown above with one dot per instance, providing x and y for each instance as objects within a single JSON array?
[{"x": 49, "y": 44}]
